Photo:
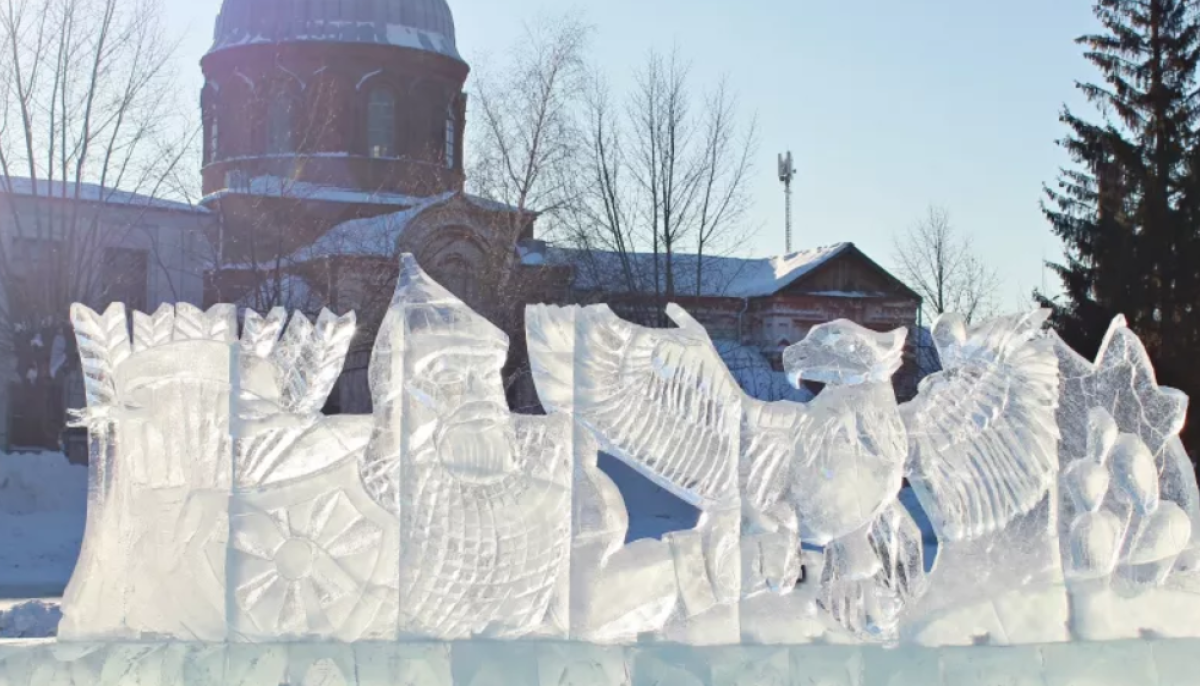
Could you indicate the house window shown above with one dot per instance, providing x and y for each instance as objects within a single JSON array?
[
  {"x": 279, "y": 125},
  {"x": 381, "y": 123},
  {"x": 124, "y": 277},
  {"x": 35, "y": 256},
  {"x": 451, "y": 137},
  {"x": 34, "y": 262}
]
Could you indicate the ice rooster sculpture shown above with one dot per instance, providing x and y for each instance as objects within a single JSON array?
[{"x": 225, "y": 507}]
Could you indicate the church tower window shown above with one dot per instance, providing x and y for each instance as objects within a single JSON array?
[
  {"x": 279, "y": 125},
  {"x": 214, "y": 137},
  {"x": 381, "y": 123},
  {"x": 451, "y": 137},
  {"x": 212, "y": 111}
]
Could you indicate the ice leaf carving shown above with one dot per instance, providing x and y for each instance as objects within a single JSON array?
[
  {"x": 191, "y": 324},
  {"x": 280, "y": 404},
  {"x": 291, "y": 345},
  {"x": 260, "y": 335},
  {"x": 222, "y": 323},
  {"x": 103, "y": 342},
  {"x": 151, "y": 331},
  {"x": 322, "y": 360},
  {"x": 982, "y": 433}
]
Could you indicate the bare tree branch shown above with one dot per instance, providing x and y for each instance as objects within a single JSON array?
[
  {"x": 664, "y": 186},
  {"x": 942, "y": 267},
  {"x": 87, "y": 116}
]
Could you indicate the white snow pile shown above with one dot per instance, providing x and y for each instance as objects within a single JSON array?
[
  {"x": 43, "y": 507},
  {"x": 29, "y": 619}
]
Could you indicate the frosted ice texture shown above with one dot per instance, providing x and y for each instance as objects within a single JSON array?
[
  {"x": 224, "y": 507},
  {"x": 488, "y": 663}
]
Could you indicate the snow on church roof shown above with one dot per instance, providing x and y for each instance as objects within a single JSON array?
[
  {"x": 426, "y": 25},
  {"x": 369, "y": 237},
  {"x": 730, "y": 277},
  {"x": 278, "y": 187}
]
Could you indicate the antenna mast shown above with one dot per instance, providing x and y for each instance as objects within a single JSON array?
[{"x": 787, "y": 172}]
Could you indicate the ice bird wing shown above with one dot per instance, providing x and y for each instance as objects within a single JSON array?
[
  {"x": 982, "y": 432},
  {"x": 660, "y": 400}
]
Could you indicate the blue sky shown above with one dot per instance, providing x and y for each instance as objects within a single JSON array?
[{"x": 888, "y": 106}]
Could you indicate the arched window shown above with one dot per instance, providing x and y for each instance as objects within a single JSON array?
[
  {"x": 279, "y": 124},
  {"x": 381, "y": 123},
  {"x": 451, "y": 136},
  {"x": 212, "y": 115},
  {"x": 458, "y": 278}
]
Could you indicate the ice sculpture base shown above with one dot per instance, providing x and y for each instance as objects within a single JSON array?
[{"x": 479, "y": 663}]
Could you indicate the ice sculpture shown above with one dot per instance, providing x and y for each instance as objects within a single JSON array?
[
  {"x": 1129, "y": 505},
  {"x": 206, "y": 513},
  {"x": 983, "y": 461},
  {"x": 767, "y": 476},
  {"x": 225, "y": 508},
  {"x": 481, "y": 497}
]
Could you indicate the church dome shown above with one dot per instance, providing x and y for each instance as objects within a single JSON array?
[{"x": 418, "y": 24}]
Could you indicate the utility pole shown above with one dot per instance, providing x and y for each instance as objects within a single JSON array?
[{"x": 787, "y": 172}]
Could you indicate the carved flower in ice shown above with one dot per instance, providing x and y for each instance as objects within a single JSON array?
[{"x": 297, "y": 569}]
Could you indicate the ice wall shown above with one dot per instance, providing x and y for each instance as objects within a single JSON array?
[
  {"x": 225, "y": 508},
  {"x": 1125, "y": 663}
]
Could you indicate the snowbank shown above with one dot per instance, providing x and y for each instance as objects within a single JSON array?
[
  {"x": 29, "y": 619},
  {"x": 43, "y": 507}
]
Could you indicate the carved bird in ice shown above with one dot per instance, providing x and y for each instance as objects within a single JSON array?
[{"x": 980, "y": 437}]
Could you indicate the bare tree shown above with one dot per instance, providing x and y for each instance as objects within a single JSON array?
[
  {"x": 525, "y": 153},
  {"x": 943, "y": 268},
  {"x": 527, "y": 143},
  {"x": 88, "y": 117},
  {"x": 664, "y": 185}
]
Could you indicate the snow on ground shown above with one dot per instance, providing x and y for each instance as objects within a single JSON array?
[
  {"x": 43, "y": 507},
  {"x": 29, "y": 618}
]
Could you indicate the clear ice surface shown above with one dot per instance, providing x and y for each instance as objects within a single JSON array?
[{"x": 273, "y": 542}]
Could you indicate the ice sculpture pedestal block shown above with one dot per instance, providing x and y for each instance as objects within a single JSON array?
[{"x": 528, "y": 663}]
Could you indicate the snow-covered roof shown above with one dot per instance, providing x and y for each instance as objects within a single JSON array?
[
  {"x": 89, "y": 192},
  {"x": 424, "y": 25},
  {"x": 369, "y": 237},
  {"x": 731, "y": 277},
  {"x": 277, "y": 187}
]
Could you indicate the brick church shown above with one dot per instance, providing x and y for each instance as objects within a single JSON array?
[{"x": 333, "y": 141}]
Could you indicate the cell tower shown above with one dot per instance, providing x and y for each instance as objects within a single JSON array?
[{"x": 787, "y": 172}]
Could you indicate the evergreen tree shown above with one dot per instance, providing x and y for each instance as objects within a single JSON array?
[{"x": 1128, "y": 212}]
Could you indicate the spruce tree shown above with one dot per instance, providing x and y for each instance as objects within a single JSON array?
[{"x": 1129, "y": 209}]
